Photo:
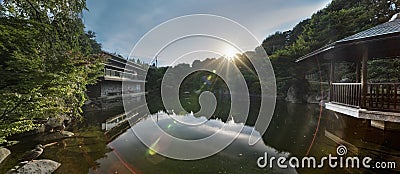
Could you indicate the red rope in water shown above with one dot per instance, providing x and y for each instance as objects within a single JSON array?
[
  {"x": 320, "y": 109},
  {"x": 127, "y": 166},
  {"x": 118, "y": 155}
]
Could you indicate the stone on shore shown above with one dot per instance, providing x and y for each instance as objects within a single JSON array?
[
  {"x": 4, "y": 153},
  {"x": 55, "y": 136},
  {"x": 293, "y": 95},
  {"x": 37, "y": 167},
  {"x": 67, "y": 133}
]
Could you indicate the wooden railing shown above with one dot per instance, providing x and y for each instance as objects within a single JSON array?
[
  {"x": 383, "y": 96},
  {"x": 380, "y": 96},
  {"x": 346, "y": 94}
]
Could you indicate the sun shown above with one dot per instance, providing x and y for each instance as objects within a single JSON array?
[{"x": 229, "y": 53}]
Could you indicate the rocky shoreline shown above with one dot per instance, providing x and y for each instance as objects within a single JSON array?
[{"x": 37, "y": 166}]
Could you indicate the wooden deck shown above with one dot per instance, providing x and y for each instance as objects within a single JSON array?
[
  {"x": 380, "y": 103},
  {"x": 363, "y": 113}
]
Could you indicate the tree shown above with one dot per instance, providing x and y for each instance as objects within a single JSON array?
[
  {"x": 46, "y": 61},
  {"x": 341, "y": 18}
]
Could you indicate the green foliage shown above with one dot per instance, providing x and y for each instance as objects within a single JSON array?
[
  {"x": 341, "y": 18},
  {"x": 280, "y": 40},
  {"x": 46, "y": 61},
  {"x": 384, "y": 70},
  {"x": 154, "y": 78}
]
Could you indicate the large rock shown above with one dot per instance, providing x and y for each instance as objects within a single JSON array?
[
  {"x": 54, "y": 136},
  {"x": 67, "y": 133},
  {"x": 57, "y": 121},
  {"x": 314, "y": 98},
  {"x": 4, "y": 154},
  {"x": 37, "y": 167},
  {"x": 293, "y": 95}
]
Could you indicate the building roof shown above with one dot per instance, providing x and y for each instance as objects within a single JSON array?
[
  {"x": 379, "y": 30},
  {"x": 123, "y": 63},
  {"x": 381, "y": 40}
]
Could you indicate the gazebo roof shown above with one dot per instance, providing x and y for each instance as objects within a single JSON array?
[{"x": 381, "y": 41}]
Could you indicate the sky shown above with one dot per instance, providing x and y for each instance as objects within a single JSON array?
[{"x": 120, "y": 24}]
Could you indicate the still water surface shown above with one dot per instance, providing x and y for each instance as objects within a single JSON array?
[{"x": 98, "y": 149}]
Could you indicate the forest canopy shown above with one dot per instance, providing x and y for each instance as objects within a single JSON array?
[
  {"x": 46, "y": 61},
  {"x": 339, "y": 19}
]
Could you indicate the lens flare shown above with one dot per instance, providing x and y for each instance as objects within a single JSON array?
[{"x": 153, "y": 148}]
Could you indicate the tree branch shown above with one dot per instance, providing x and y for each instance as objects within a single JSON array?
[
  {"x": 37, "y": 13},
  {"x": 15, "y": 107}
]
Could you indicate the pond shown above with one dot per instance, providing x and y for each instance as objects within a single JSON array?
[{"x": 107, "y": 147}]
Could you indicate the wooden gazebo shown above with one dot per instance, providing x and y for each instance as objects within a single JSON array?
[{"x": 375, "y": 101}]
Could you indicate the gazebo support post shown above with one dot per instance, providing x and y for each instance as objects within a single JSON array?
[
  {"x": 358, "y": 71},
  {"x": 364, "y": 86},
  {"x": 331, "y": 78},
  {"x": 332, "y": 73}
]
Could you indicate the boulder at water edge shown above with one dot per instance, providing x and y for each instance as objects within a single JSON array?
[
  {"x": 4, "y": 153},
  {"x": 55, "y": 136},
  {"x": 37, "y": 167}
]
